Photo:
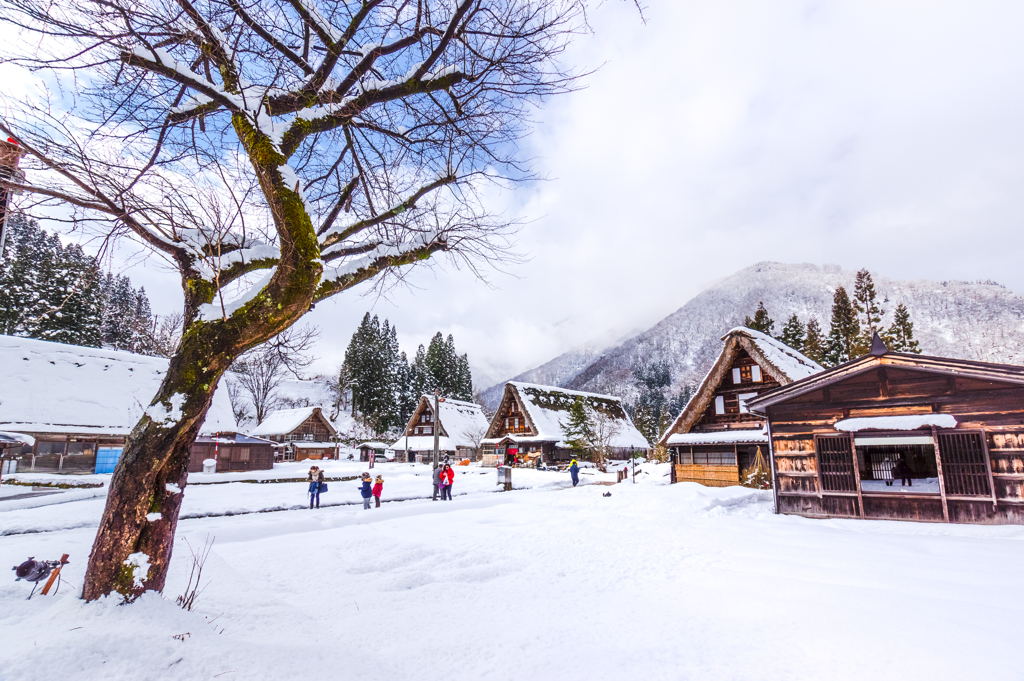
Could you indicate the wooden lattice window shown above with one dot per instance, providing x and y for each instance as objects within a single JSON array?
[
  {"x": 835, "y": 464},
  {"x": 963, "y": 464}
]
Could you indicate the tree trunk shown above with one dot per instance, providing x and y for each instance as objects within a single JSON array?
[{"x": 151, "y": 475}]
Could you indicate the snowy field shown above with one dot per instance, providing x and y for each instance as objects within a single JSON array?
[{"x": 546, "y": 582}]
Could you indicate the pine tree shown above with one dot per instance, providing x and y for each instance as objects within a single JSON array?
[
  {"x": 869, "y": 312},
  {"x": 841, "y": 344},
  {"x": 900, "y": 336},
  {"x": 577, "y": 430},
  {"x": 761, "y": 321},
  {"x": 142, "y": 325},
  {"x": 793, "y": 333},
  {"x": 422, "y": 380},
  {"x": 814, "y": 343}
]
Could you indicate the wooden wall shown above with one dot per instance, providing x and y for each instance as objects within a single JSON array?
[
  {"x": 993, "y": 409},
  {"x": 708, "y": 475}
]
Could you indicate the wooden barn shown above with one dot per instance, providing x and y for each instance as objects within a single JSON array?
[
  {"x": 900, "y": 437},
  {"x": 460, "y": 426},
  {"x": 232, "y": 452},
  {"x": 528, "y": 424},
  {"x": 716, "y": 437},
  {"x": 299, "y": 434},
  {"x": 79, "y": 404}
]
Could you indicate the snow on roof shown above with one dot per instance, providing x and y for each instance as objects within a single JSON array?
[
  {"x": 284, "y": 421},
  {"x": 15, "y": 438},
  {"x": 905, "y": 422},
  {"x": 718, "y": 437},
  {"x": 464, "y": 422},
  {"x": 425, "y": 443},
  {"x": 547, "y": 406},
  {"x": 792, "y": 363},
  {"x": 50, "y": 387},
  {"x": 375, "y": 445},
  {"x": 312, "y": 445}
]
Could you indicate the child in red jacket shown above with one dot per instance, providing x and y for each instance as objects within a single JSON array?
[{"x": 378, "y": 487}]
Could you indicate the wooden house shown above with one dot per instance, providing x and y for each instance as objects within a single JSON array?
[
  {"x": 528, "y": 424},
  {"x": 79, "y": 404},
  {"x": 302, "y": 433},
  {"x": 460, "y": 425},
  {"x": 716, "y": 437},
  {"x": 900, "y": 437},
  {"x": 379, "y": 451},
  {"x": 232, "y": 452}
]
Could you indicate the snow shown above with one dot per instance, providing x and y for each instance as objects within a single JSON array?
[
  {"x": 420, "y": 443},
  {"x": 653, "y": 582},
  {"x": 917, "y": 486},
  {"x": 794, "y": 364},
  {"x": 463, "y": 422},
  {"x": 375, "y": 445},
  {"x": 283, "y": 421},
  {"x": 90, "y": 391},
  {"x": 718, "y": 437},
  {"x": 907, "y": 422},
  {"x": 18, "y": 437},
  {"x": 139, "y": 562},
  {"x": 215, "y": 311}
]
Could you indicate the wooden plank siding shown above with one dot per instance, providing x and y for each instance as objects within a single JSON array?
[
  {"x": 980, "y": 462},
  {"x": 708, "y": 475}
]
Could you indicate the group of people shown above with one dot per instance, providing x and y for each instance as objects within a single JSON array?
[{"x": 444, "y": 476}]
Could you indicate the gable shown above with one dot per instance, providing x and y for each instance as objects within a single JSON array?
[{"x": 511, "y": 418}]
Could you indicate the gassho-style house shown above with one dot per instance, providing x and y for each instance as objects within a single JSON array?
[
  {"x": 300, "y": 434},
  {"x": 528, "y": 424},
  {"x": 79, "y": 404},
  {"x": 716, "y": 436},
  {"x": 460, "y": 426},
  {"x": 902, "y": 437}
]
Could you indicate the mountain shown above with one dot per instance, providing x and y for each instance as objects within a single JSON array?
[{"x": 980, "y": 320}]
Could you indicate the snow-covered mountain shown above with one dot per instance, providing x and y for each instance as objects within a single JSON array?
[{"x": 974, "y": 320}]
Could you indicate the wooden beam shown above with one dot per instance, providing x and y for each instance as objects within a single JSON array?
[
  {"x": 856, "y": 474},
  {"x": 942, "y": 481},
  {"x": 988, "y": 467}
]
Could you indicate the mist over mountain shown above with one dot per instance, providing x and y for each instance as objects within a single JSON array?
[{"x": 980, "y": 320}]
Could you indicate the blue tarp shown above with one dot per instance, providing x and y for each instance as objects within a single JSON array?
[{"x": 106, "y": 459}]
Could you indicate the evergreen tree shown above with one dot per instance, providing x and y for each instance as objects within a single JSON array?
[
  {"x": 142, "y": 325},
  {"x": 761, "y": 321},
  {"x": 869, "y": 312},
  {"x": 577, "y": 429},
  {"x": 422, "y": 380},
  {"x": 465, "y": 380},
  {"x": 842, "y": 342},
  {"x": 793, "y": 333},
  {"x": 900, "y": 336},
  {"x": 651, "y": 408},
  {"x": 814, "y": 343}
]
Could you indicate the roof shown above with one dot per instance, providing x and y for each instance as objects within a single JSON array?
[
  {"x": 375, "y": 445},
  {"x": 778, "y": 360},
  {"x": 425, "y": 443},
  {"x": 284, "y": 421},
  {"x": 545, "y": 407},
  {"x": 50, "y": 387},
  {"x": 302, "y": 444},
  {"x": 986, "y": 371},
  {"x": 462, "y": 422},
  {"x": 719, "y": 437}
]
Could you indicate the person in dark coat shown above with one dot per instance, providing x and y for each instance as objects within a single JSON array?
[
  {"x": 315, "y": 478},
  {"x": 574, "y": 471},
  {"x": 437, "y": 482},
  {"x": 366, "y": 490},
  {"x": 902, "y": 471}
]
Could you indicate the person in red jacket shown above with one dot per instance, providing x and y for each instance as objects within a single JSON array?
[
  {"x": 378, "y": 487},
  {"x": 448, "y": 477}
]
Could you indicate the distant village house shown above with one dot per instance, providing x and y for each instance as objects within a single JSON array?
[
  {"x": 460, "y": 426},
  {"x": 300, "y": 434}
]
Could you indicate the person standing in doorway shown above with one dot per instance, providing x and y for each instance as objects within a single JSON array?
[
  {"x": 378, "y": 487},
  {"x": 316, "y": 478},
  {"x": 448, "y": 477},
  {"x": 437, "y": 482},
  {"x": 574, "y": 472},
  {"x": 365, "y": 491}
]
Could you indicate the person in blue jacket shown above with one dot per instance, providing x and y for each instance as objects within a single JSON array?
[
  {"x": 316, "y": 479},
  {"x": 366, "y": 491},
  {"x": 574, "y": 471}
]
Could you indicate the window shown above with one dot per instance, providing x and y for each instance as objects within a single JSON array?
[
  {"x": 835, "y": 464},
  {"x": 240, "y": 454},
  {"x": 755, "y": 374},
  {"x": 43, "y": 448},
  {"x": 963, "y": 464},
  {"x": 506, "y": 423},
  {"x": 743, "y": 401},
  {"x": 736, "y": 376},
  {"x": 719, "y": 405},
  {"x": 715, "y": 458},
  {"x": 515, "y": 422}
]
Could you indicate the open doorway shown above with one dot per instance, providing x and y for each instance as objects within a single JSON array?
[{"x": 904, "y": 468}]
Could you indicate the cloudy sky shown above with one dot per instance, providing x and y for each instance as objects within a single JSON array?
[{"x": 887, "y": 135}]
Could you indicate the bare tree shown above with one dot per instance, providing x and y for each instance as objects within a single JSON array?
[
  {"x": 259, "y": 371},
  {"x": 603, "y": 428},
  {"x": 164, "y": 333},
  {"x": 276, "y": 153},
  {"x": 476, "y": 436}
]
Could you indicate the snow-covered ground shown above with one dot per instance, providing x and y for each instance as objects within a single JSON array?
[{"x": 551, "y": 582}]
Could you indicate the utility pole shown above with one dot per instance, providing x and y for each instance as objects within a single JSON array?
[
  {"x": 10, "y": 155},
  {"x": 436, "y": 426}
]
